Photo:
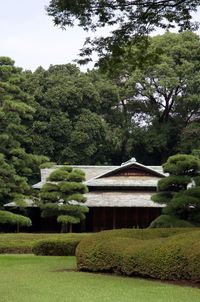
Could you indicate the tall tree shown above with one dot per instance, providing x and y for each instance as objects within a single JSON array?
[
  {"x": 68, "y": 124},
  {"x": 132, "y": 17},
  {"x": 159, "y": 91},
  {"x": 16, "y": 165},
  {"x": 190, "y": 138}
]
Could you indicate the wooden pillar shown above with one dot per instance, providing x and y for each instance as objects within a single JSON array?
[
  {"x": 114, "y": 218},
  {"x": 126, "y": 217},
  {"x": 104, "y": 218},
  {"x": 136, "y": 217}
]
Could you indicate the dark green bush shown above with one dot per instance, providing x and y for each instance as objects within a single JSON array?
[
  {"x": 176, "y": 257},
  {"x": 167, "y": 221},
  {"x": 56, "y": 247}
]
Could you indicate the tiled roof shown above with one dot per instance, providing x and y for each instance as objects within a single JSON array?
[
  {"x": 120, "y": 199},
  {"x": 123, "y": 181},
  {"x": 95, "y": 176},
  {"x": 90, "y": 171}
]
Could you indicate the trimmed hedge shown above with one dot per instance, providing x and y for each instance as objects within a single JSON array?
[
  {"x": 56, "y": 247},
  {"x": 19, "y": 249},
  {"x": 143, "y": 233},
  {"x": 169, "y": 256},
  {"x": 22, "y": 243}
]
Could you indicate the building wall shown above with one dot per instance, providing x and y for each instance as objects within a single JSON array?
[{"x": 105, "y": 218}]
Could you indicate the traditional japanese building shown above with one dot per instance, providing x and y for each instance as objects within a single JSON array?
[{"x": 118, "y": 197}]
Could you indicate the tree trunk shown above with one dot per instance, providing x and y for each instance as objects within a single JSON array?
[
  {"x": 70, "y": 228},
  {"x": 64, "y": 228}
]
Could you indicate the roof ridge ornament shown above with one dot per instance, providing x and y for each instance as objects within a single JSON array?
[{"x": 132, "y": 160}]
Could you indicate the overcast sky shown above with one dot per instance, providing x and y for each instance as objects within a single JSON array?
[{"x": 29, "y": 37}]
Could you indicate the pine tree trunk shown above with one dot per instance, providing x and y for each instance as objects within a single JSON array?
[
  {"x": 17, "y": 227},
  {"x": 63, "y": 228},
  {"x": 70, "y": 228}
]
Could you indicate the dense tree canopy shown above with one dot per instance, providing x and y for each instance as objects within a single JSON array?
[
  {"x": 133, "y": 18},
  {"x": 144, "y": 104},
  {"x": 159, "y": 91},
  {"x": 137, "y": 104},
  {"x": 16, "y": 165},
  {"x": 68, "y": 124}
]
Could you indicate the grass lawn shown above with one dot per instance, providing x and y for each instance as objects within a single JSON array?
[{"x": 28, "y": 278}]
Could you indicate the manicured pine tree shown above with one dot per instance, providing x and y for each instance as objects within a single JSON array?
[
  {"x": 180, "y": 192},
  {"x": 14, "y": 219},
  {"x": 62, "y": 197}
]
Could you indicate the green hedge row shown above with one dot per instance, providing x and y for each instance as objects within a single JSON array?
[
  {"x": 22, "y": 243},
  {"x": 162, "y": 255},
  {"x": 56, "y": 247},
  {"x": 16, "y": 249},
  {"x": 143, "y": 234}
]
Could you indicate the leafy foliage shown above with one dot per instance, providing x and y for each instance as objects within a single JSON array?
[
  {"x": 17, "y": 166},
  {"x": 159, "y": 95},
  {"x": 134, "y": 18},
  {"x": 189, "y": 140},
  {"x": 67, "y": 126},
  {"x": 139, "y": 102}
]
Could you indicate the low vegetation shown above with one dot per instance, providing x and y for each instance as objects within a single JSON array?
[
  {"x": 168, "y": 221},
  {"x": 56, "y": 247},
  {"x": 22, "y": 243},
  {"x": 172, "y": 254}
]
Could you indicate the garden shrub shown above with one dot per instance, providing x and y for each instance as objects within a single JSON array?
[
  {"x": 172, "y": 257},
  {"x": 56, "y": 247},
  {"x": 17, "y": 249},
  {"x": 143, "y": 233},
  {"x": 21, "y": 243},
  {"x": 168, "y": 221}
]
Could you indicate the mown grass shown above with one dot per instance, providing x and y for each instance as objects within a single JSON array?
[
  {"x": 20, "y": 243},
  {"x": 51, "y": 279}
]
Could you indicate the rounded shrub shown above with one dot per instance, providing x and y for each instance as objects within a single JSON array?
[
  {"x": 175, "y": 256},
  {"x": 56, "y": 247},
  {"x": 168, "y": 221}
]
